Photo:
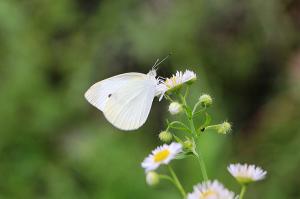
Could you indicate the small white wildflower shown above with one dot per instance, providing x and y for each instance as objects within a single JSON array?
[
  {"x": 165, "y": 136},
  {"x": 152, "y": 178},
  {"x": 210, "y": 190},
  {"x": 161, "y": 155},
  {"x": 176, "y": 81},
  {"x": 246, "y": 173},
  {"x": 175, "y": 108}
]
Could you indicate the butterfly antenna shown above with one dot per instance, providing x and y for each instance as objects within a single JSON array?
[
  {"x": 154, "y": 65},
  {"x": 157, "y": 63}
]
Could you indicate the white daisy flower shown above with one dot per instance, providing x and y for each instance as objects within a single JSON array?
[
  {"x": 211, "y": 190},
  {"x": 246, "y": 173},
  {"x": 176, "y": 81},
  {"x": 161, "y": 155}
]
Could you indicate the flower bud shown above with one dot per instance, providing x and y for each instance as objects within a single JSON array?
[
  {"x": 152, "y": 178},
  {"x": 188, "y": 144},
  {"x": 165, "y": 136},
  {"x": 205, "y": 100},
  {"x": 175, "y": 108},
  {"x": 224, "y": 128}
]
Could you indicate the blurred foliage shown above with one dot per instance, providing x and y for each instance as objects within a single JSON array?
[{"x": 53, "y": 144}]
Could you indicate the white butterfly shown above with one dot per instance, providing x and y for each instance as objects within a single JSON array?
[{"x": 125, "y": 99}]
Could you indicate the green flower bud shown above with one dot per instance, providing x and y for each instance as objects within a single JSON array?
[
  {"x": 165, "y": 136},
  {"x": 224, "y": 128},
  {"x": 175, "y": 108},
  {"x": 205, "y": 100},
  {"x": 188, "y": 144},
  {"x": 152, "y": 178}
]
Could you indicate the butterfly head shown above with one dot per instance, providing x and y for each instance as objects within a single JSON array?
[{"x": 152, "y": 73}]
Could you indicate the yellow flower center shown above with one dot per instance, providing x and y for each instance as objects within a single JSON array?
[
  {"x": 162, "y": 155},
  {"x": 208, "y": 194},
  {"x": 171, "y": 82}
]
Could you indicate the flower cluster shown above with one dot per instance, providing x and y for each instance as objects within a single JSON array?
[
  {"x": 183, "y": 136},
  {"x": 187, "y": 145}
]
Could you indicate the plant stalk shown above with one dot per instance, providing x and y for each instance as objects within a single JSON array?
[
  {"x": 243, "y": 190},
  {"x": 177, "y": 182},
  {"x": 199, "y": 155},
  {"x": 194, "y": 132}
]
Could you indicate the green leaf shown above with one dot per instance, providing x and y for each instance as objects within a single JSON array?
[
  {"x": 178, "y": 139},
  {"x": 189, "y": 111},
  {"x": 184, "y": 155}
]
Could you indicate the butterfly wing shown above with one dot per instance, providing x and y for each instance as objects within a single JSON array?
[
  {"x": 128, "y": 108},
  {"x": 100, "y": 92}
]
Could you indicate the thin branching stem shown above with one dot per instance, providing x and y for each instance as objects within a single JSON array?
[
  {"x": 167, "y": 97},
  {"x": 186, "y": 92},
  {"x": 194, "y": 133},
  {"x": 197, "y": 113},
  {"x": 166, "y": 177},
  {"x": 183, "y": 126},
  {"x": 177, "y": 182},
  {"x": 199, "y": 154},
  {"x": 195, "y": 107}
]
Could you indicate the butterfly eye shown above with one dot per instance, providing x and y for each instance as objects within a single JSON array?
[{"x": 109, "y": 95}]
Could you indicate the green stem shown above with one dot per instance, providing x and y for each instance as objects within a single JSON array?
[
  {"x": 181, "y": 129},
  {"x": 201, "y": 162},
  {"x": 199, "y": 155},
  {"x": 167, "y": 97},
  {"x": 192, "y": 126},
  {"x": 195, "y": 107},
  {"x": 243, "y": 190},
  {"x": 213, "y": 126},
  {"x": 186, "y": 92},
  {"x": 194, "y": 132},
  {"x": 165, "y": 177},
  {"x": 177, "y": 182},
  {"x": 196, "y": 114},
  {"x": 183, "y": 100},
  {"x": 184, "y": 127}
]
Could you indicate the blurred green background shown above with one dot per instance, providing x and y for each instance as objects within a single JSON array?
[{"x": 53, "y": 144}]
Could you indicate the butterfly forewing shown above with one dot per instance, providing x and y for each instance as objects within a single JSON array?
[
  {"x": 100, "y": 92},
  {"x": 128, "y": 108}
]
